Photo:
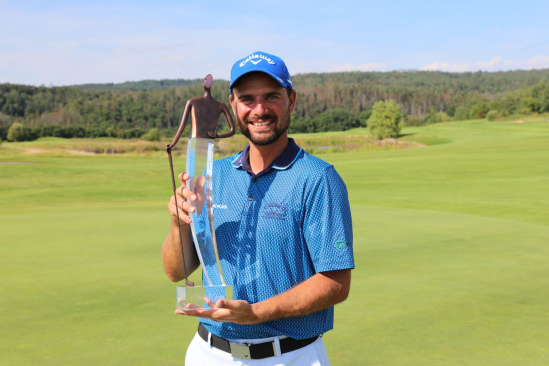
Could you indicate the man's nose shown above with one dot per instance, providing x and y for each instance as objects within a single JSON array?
[{"x": 260, "y": 107}]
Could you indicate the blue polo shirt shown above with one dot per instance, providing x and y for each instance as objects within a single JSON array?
[{"x": 276, "y": 229}]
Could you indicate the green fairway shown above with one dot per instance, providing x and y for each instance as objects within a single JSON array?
[{"x": 451, "y": 245}]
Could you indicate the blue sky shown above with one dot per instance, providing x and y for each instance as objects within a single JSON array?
[{"x": 75, "y": 42}]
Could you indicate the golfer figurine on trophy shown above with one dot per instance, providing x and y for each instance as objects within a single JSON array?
[{"x": 205, "y": 112}]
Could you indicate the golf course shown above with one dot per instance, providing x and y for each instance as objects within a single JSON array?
[{"x": 451, "y": 243}]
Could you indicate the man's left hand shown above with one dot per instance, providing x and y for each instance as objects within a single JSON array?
[
  {"x": 322, "y": 290},
  {"x": 233, "y": 311}
]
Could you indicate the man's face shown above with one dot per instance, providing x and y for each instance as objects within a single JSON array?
[{"x": 262, "y": 108}]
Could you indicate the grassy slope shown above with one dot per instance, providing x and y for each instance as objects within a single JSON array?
[{"x": 450, "y": 242}]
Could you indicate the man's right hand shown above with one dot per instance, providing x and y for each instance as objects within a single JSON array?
[
  {"x": 183, "y": 207},
  {"x": 179, "y": 237}
]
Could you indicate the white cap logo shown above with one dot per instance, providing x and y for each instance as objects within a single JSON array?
[{"x": 255, "y": 56}]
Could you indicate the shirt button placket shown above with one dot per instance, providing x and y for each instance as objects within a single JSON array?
[{"x": 250, "y": 197}]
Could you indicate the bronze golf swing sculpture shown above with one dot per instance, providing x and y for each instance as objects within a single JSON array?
[{"x": 205, "y": 113}]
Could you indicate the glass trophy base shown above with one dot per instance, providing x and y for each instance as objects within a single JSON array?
[{"x": 193, "y": 297}]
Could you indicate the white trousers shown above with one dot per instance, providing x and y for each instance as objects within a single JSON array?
[{"x": 200, "y": 353}]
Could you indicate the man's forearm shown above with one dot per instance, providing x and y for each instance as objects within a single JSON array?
[
  {"x": 172, "y": 257},
  {"x": 314, "y": 294}
]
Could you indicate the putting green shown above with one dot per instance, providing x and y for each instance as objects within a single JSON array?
[{"x": 450, "y": 243}]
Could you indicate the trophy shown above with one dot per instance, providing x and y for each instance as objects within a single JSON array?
[{"x": 205, "y": 112}]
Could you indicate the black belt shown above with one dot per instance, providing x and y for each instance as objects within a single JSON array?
[{"x": 253, "y": 351}]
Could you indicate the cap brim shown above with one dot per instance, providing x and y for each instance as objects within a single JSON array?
[{"x": 277, "y": 79}]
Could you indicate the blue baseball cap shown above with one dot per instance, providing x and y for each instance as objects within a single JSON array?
[{"x": 263, "y": 62}]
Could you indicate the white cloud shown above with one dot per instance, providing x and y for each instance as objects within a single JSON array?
[
  {"x": 495, "y": 64},
  {"x": 488, "y": 65},
  {"x": 539, "y": 62},
  {"x": 536, "y": 62},
  {"x": 372, "y": 66},
  {"x": 445, "y": 66}
]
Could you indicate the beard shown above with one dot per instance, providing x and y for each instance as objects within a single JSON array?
[{"x": 267, "y": 137}]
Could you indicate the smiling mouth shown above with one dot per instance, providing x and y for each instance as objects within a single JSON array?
[{"x": 259, "y": 124}]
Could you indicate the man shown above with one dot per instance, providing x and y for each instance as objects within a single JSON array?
[{"x": 283, "y": 229}]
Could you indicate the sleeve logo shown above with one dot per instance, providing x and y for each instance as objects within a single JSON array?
[{"x": 341, "y": 245}]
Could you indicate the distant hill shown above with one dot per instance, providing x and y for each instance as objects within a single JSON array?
[
  {"x": 482, "y": 82},
  {"x": 140, "y": 85},
  {"x": 328, "y": 101}
]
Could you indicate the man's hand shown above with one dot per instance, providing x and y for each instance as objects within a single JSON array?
[
  {"x": 316, "y": 293},
  {"x": 183, "y": 194},
  {"x": 176, "y": 241},
  {"x": 233, "y": 311}
]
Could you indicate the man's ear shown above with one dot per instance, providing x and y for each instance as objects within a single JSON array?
[
  {"x": 293, "y": 97},
  {"x": 231, "y": 101}
]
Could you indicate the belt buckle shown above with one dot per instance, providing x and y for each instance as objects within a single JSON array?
[{"x": 240, "y": 350}]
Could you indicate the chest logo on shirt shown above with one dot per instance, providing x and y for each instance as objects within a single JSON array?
[{"x": 274, "y": 210}]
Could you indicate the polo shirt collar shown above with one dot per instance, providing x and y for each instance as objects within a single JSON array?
[{"x": 282, "y": 162}]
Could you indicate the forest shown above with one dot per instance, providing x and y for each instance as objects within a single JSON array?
[{"x": 326, "y": 102}]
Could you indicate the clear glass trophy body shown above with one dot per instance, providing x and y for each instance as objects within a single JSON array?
[
  {"x": 200, "y": 153},
  {"x": 204, "y": 113}
]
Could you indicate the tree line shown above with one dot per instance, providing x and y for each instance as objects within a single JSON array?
[{"x": 326, "y": 102}]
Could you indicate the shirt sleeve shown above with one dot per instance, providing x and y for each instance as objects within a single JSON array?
[{"x": 328, "y": 228}]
